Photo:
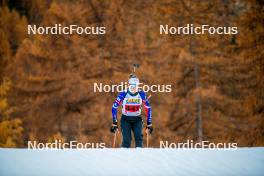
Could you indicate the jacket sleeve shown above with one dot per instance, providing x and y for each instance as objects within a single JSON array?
[
  {"x": 147, "y": 107},
  {"x": 116, "y": 103}
]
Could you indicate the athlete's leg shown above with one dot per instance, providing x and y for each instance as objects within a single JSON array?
[
  {"x": 137, "y": 129},
  {"x": 126, "y": 132}
]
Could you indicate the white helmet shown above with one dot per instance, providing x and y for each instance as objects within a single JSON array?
[
  {"x": 133, "y": 80},
  {"x": 133, "y": 83}
]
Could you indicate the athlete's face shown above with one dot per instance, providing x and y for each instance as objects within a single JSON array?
[{"x": 133, "y": 88}]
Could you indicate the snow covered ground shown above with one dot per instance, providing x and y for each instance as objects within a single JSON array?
[{"x": 243, "y": 161}]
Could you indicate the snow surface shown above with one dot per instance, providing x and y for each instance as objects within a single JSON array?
[{"x": 136, "y": 162}]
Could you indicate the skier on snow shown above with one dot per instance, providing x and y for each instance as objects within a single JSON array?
[{"x": 132, "y": 101}]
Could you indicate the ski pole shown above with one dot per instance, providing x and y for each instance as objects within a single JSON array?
[
  {"x": 114, "y": 139},
  {"x": 147, "y": 138},
  {"x": 149, "y": 96}
]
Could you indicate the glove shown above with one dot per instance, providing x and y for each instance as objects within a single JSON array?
[
  {"x": 114, "y": 127},
  {"x": 149, "y": 128}
]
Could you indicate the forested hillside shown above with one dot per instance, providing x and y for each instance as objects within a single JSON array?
[{"x": 46, "y": 88}]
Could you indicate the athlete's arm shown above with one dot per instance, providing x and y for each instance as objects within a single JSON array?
[
  {"x": 116, "y": 103},
  {"x": 147, "y": 107}
]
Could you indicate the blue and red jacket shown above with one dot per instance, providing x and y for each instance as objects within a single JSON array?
[{"x": 132, "y": 105}]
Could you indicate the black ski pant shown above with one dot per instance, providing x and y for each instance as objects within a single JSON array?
[{"x": 129, "y": 124}]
